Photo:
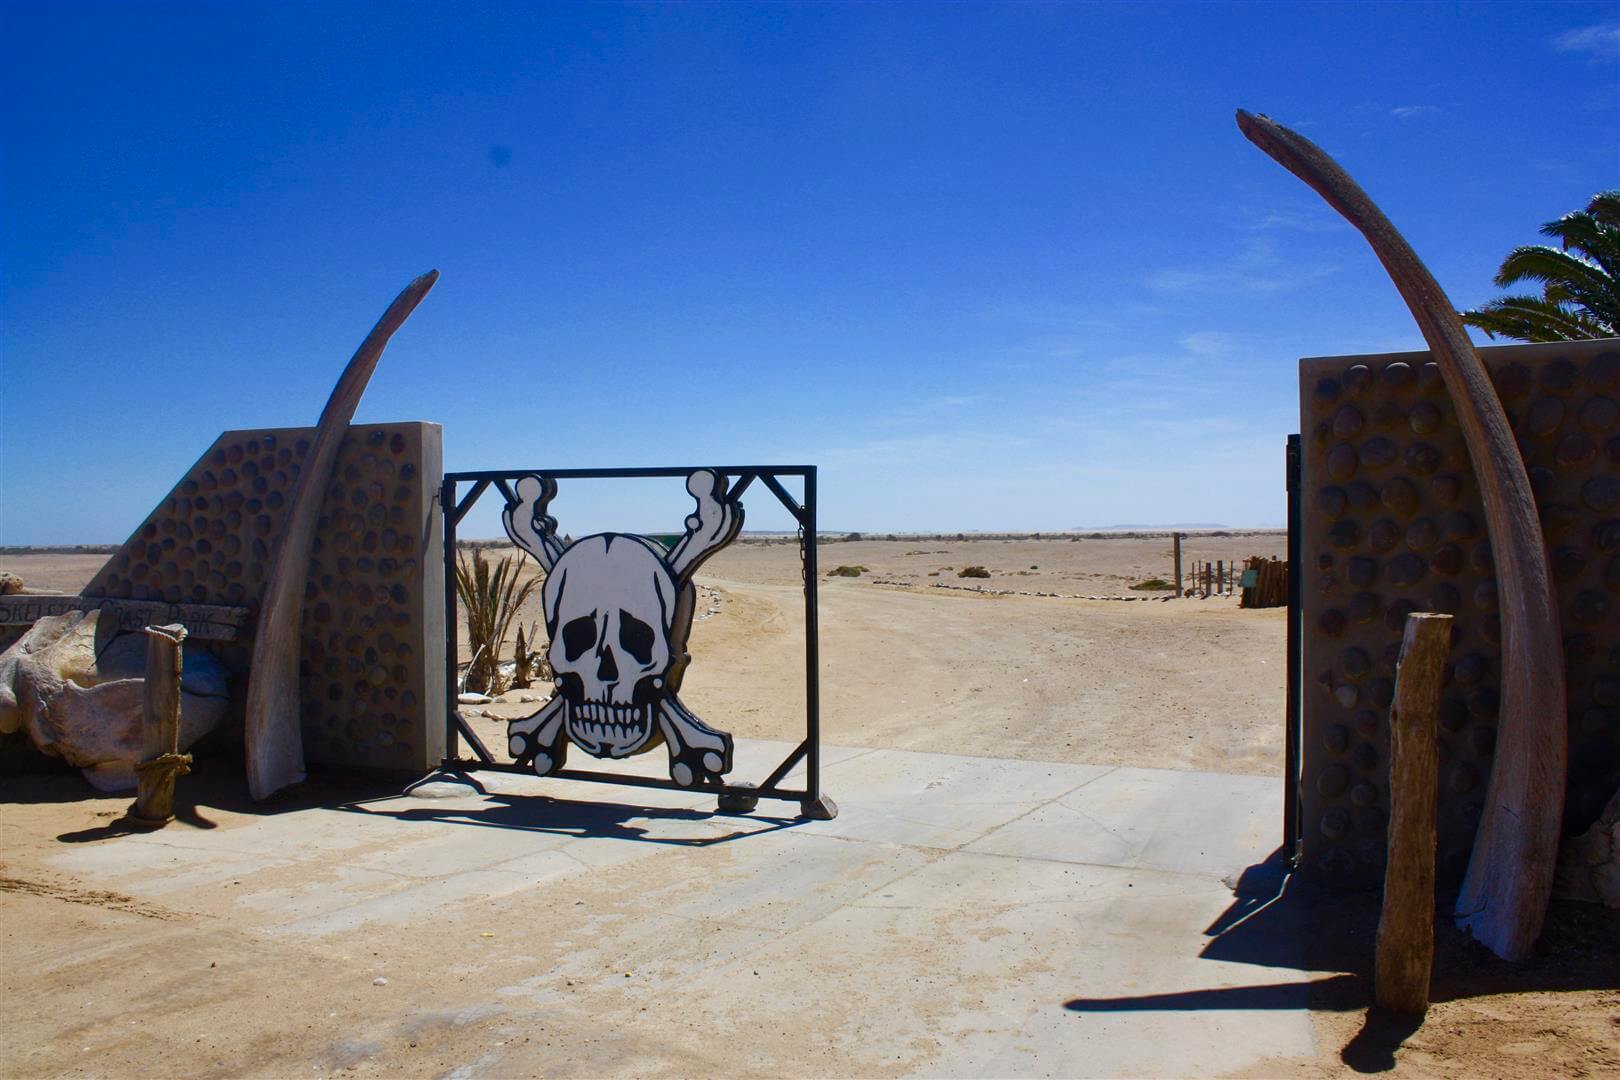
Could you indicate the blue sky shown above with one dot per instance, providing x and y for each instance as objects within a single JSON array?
[{"x": 989, "y": 267}]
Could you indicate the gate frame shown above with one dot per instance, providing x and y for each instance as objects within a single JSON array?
[{"x": 734, "y": 797}]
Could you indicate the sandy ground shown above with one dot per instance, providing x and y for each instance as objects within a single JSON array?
[
  {"x": 1185, "y": 684},
  {"x": 1002, "y": 672}
]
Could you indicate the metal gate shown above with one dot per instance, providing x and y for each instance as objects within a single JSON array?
[{"x": 734, "y": 796}]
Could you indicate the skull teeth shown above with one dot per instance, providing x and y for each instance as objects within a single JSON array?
[{"x": 610, "y": 727}]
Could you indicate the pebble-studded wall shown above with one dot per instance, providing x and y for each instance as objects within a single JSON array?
[
  {"x": 372, "y": 661},
  {"x": 1392, "y": 523}
]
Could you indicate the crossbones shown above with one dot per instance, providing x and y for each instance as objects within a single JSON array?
[{"x": 618, "y": 610}]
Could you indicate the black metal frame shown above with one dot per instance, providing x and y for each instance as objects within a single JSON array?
[
  {"x": 1295, "y": 659},
  {"x": 813, "y": 803}
]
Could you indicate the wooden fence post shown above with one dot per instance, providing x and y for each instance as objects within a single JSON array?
[
  {"x": 1406, "y": 924},
  {"x": 154, "y": 776},
  {"x": 1175, "y": 547}
]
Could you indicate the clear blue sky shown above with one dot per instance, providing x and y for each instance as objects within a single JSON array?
[{"x": 1003, "y": 266}]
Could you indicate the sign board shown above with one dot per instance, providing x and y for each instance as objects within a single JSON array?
[{"x": 618, "y": 610}]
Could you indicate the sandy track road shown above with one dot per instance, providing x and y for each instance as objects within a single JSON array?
[{"x": 1184, "y": 685}]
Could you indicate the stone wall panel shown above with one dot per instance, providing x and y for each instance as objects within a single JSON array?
[{"x": 1393, "y": 523}]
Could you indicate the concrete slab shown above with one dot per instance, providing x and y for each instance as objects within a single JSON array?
[
  {"x": 962, "y": 916},
  {"x": 1207, "y": 823}
]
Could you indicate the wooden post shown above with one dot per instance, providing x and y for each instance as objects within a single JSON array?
[
  {"x": 1175, "y": 547},
  {"x": 1220, "y": 576},
  {"x": 154, "y": 795},
  {"x": 1406, "y": 925}
]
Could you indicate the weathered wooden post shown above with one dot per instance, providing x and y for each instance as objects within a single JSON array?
[
  {"x": 154, "y": 793},
  {"x": 1406, "y": 924},
  {"x": 1175, "y": 547}
]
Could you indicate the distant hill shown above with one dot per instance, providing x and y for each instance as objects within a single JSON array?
[{"x": 1155, "y": 528}]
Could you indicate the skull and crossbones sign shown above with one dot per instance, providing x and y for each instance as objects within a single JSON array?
[{"x": 618, "y": 610}]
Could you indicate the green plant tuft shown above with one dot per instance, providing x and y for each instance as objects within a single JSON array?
[{"x": 491, "y": 597}]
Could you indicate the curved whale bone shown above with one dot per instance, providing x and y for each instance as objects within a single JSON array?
[
  {"x": 712, "y": 526},
  {"x": 527, "y": 522},
  {"x": 1510, "y": 874},
  {"x": 271, "y": 724}
]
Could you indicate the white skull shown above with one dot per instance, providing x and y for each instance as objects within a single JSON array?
[{"x": 612, "y": 607}]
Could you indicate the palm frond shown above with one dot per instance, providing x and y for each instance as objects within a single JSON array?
[
  {"x": 1580, "y": 292},
  {"x": 1530, "y": 318},
  {"x": 1605, "y": 207},
  {"x": 1565, "y": 278},
  {"x": 1594, "y": 240}
]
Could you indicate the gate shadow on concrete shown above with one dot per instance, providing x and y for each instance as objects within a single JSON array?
[
  {"x": 1277, "y": 921},
  {"x": 582, "y": 820}
]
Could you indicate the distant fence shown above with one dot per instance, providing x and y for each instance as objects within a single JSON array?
[{"x": 1262, "y": 581}]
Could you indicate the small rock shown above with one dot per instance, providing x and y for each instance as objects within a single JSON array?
[
  {"x": 443, "y": 789},
  {"x": 474, "y": 699},
  {"x": 527, "y": 699},
  {"x": 379, "y": 981}
]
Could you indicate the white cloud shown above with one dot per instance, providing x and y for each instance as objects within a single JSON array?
[
  {"x": 1407, "y": 112},
  {"x": 1257, "y": 270},
  {"x": 1602, "y": 40},
  {"x": 1319, "y": 221},
  {"x": 1208, "y": 343}
]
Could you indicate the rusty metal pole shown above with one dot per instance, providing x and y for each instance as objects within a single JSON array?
[{"x": 154, "y": 795}]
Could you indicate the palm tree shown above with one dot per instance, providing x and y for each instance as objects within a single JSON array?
[
  {"x": 1580, "y": 281},
  {"x": 490, "y": 598}
]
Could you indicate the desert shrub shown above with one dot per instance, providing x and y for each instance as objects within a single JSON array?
[
  {"x": 1154, "y": 584},
  {"x": 528, "y": 663},
  {"x": 854, "y": 536},
  {"x": 847, "y": 571},
  {"x": 490, "y": 599},
  {"x": 973, "y": 571}
]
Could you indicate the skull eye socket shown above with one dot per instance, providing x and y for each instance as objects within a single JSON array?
[
  {"x": 636, "y": 637},
  {"x": 579, "y": 635}
]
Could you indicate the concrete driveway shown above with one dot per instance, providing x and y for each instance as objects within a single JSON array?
[{"x": 962, "y": 916}]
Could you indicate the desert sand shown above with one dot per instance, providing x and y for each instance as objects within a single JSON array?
[{"x": 1007, "y": 672}]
